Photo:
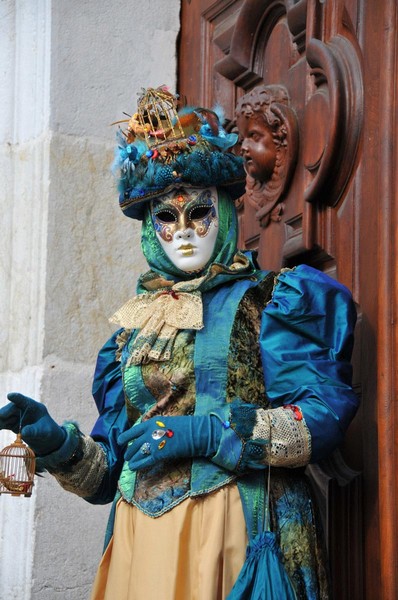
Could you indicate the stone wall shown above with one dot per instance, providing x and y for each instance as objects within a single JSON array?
[{"x": 68, "y": 257}]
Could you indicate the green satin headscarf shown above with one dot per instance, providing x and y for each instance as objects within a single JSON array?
[{"x": 224, "y": 254}]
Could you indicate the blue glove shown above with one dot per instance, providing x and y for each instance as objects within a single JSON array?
[
  {"x": 164, "y": 438},
  {"x": 38, "y": 429}
]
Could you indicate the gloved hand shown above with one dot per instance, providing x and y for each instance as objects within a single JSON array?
[
  {"x": 163, "y": 438},
  {"x": 38, "y": 429}
]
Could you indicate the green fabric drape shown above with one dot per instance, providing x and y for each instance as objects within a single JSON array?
[{"x": 216, "y": 272}]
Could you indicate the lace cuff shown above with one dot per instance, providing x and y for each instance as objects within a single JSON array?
[
  {"x": 278, "y": 437},
  {"x": 253, "y": 437},
  {"x": 83, "y": 473},
  {"x": 289, "y": 437}
]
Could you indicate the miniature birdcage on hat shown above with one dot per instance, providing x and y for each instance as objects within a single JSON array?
[
  {"x": 164, "y": 147},
  {"x": 17, "y": 469},
  {"x": 157, "y": 117}
]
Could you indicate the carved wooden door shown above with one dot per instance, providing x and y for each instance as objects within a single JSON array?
[{"x": 337, "y": 60}]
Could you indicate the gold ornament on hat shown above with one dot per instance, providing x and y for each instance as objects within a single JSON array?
[
  {"x": 165, "y": 131},
  {"x": 156, "y": 118},
  {"x": 157, "y": 121}
]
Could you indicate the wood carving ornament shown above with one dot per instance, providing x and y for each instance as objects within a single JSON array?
[{"x": 269, "y": 142}]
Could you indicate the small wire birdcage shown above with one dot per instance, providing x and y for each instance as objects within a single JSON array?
[
  {"x": 158, "y": 117},
  {"x": 17, "y": 469}
]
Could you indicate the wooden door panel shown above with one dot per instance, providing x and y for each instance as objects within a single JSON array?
[
  {"x": 338, "y": 61},
  {"x": 328, "y": 119}
]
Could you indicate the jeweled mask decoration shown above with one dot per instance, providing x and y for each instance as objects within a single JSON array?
[{"x": 186, "y": 225}]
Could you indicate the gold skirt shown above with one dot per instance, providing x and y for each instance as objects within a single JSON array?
[{"x": 193, "y": 552}]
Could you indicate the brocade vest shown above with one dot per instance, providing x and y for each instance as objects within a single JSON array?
[{"x": 227, "y": 365}]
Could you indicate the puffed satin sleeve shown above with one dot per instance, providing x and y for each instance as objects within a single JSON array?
[
  {"x": 306, "y": 344},
  {"x": 109, "y": 397}
]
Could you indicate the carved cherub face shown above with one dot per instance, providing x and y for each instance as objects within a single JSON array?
[
  {"x": 258, "y": 147},
  {"x": 186, "y": 225}
]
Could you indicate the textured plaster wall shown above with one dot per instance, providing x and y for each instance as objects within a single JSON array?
[{"x": 68, "y": 257}]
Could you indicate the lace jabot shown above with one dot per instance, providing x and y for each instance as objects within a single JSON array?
[{"x": 167, "y": 306}]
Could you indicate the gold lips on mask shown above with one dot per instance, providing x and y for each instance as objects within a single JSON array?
[
  {"x": 187, "y": 249},
  {"x": 179, "y": 211}
]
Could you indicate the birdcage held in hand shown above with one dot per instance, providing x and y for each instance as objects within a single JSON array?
[{"x": 17, "y": 469}]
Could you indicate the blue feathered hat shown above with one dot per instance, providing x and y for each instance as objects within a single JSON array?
[{"x": 162, "y": 149}]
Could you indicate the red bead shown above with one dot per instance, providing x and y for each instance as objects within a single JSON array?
[
  {"x": 169, "y": 433},
  {"x": 298, "y": 415}
]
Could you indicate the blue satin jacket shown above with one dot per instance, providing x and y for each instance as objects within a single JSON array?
[{"x": 306, "y": 341}]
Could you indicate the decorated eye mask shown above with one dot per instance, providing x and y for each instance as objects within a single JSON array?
[
  {"x": 186, "y": 224},
  {"x": 181, "y": 210}
]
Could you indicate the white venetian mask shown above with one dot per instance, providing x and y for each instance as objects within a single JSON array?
[{"x": 186, "y": 225}]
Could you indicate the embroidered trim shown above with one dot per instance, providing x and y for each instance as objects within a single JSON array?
[
  {"x": 189, "y": 494},
  {"x": 84, "y": 477},
  {"x": 121, "y": 340}
]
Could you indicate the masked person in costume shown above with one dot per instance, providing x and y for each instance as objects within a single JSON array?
[{"x": 218, "y": 370}]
